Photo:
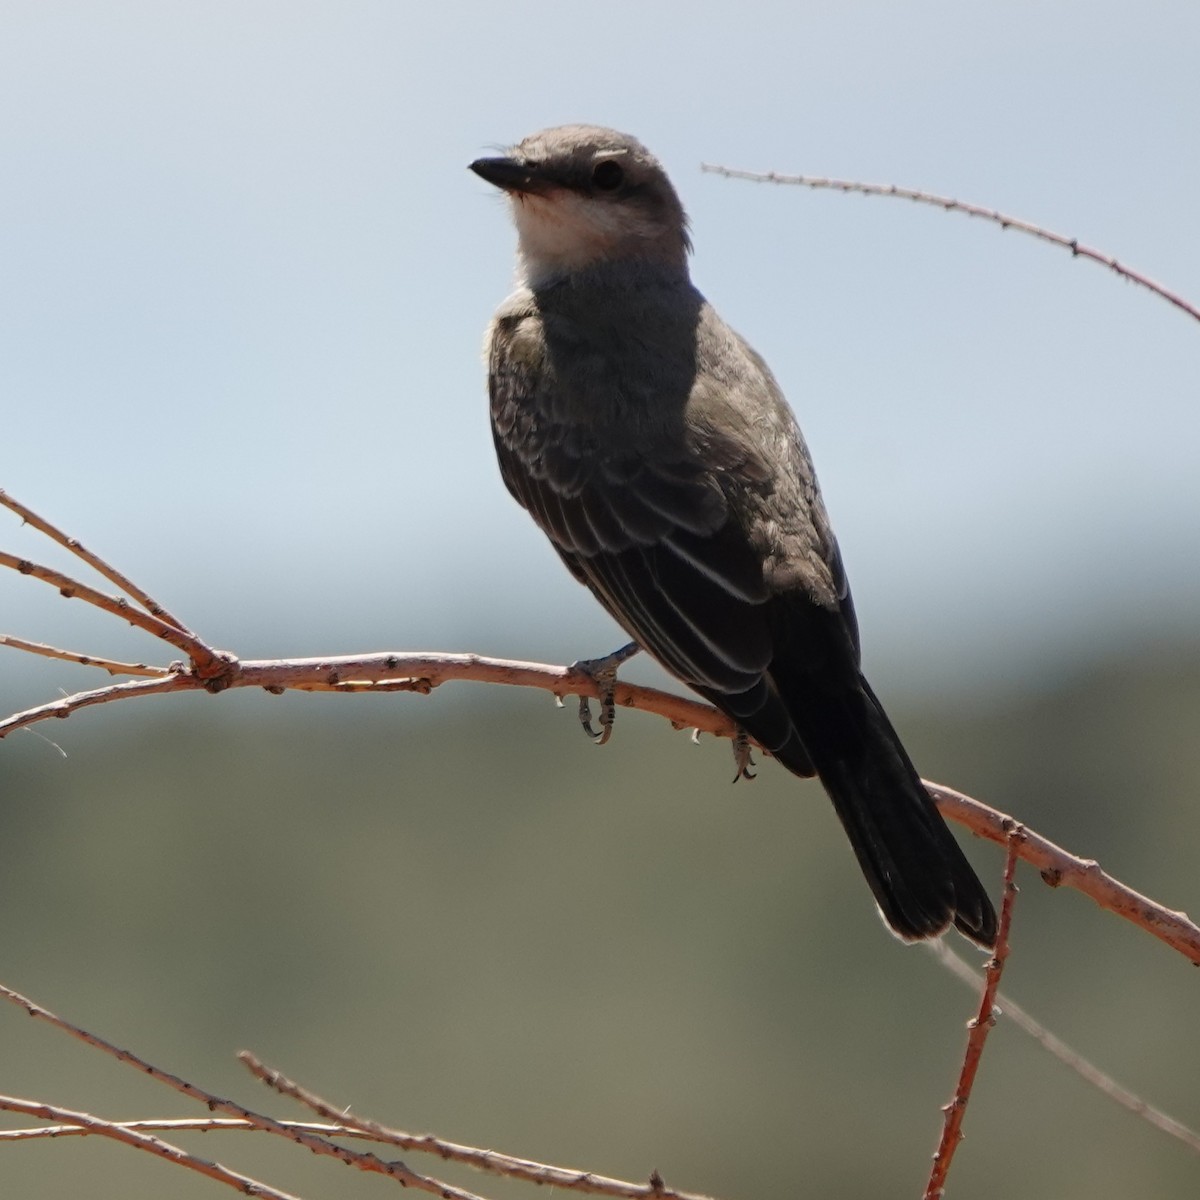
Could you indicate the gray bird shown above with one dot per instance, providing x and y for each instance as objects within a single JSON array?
[{"x": 655, "y": 450}]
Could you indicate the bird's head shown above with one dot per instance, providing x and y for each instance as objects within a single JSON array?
[{"x": 582, "y": 195}]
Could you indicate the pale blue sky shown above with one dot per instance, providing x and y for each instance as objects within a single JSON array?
[{"x": 244, "y": 277}]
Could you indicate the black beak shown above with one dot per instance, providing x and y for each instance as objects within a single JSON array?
[{"x": 512, "y": 176}]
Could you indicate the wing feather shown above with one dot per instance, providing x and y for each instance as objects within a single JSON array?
[{"x": 649, "y": 531}]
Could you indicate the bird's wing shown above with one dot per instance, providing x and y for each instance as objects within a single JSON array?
[
  {"x": 660, "y": 552},
  {"x": 648, "y": 526},
  {"x": 648, "y": 529}
]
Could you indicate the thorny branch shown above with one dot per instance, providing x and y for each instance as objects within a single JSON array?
[
  {"x": 176, "y": 1125},
  {"x": 309, "y": 1136},
  {"x": 310, "y": 1141},
  {"x": 1008, "y": 1008},
  {"x": 482, "y": 1160},
  {"x": 84, "y": 660},
  {"x": 979, "y": 1029},
  {"x": 1077, "y": 249},
  {"x": 139, "y": 1140}
]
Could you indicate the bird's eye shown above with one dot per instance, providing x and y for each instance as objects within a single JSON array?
[{"x": 607, "y": 175}]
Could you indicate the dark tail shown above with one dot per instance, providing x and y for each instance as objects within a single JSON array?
[{"x": 919, "y": 875}]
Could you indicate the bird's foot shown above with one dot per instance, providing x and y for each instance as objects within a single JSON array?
[
  {"x": 742, "y": 756},
  {"x": 602, "y": 672}
]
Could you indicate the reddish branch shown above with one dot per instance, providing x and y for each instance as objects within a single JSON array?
[
  {"x": 947, "y": 203},
  {"x": 979, "y": 1028},
  {"x": 1054, "y": 1045},
  {"x": 1061, "y": 868},
  {"x": 173, "y": 1125},
  {"x": 112, "y": 666},
  {"x": 144, "y": 1141},
  {"x": 423, "y": 671},
  {"x": 306, "y": 1136},
  {"x": 77, "y": 548},
  {"x": 204, "y": 659},
  {"x": 318, "y": 1145},
  {"x": 215, "y": 671},
  {"x": 491, "y": 1161}
]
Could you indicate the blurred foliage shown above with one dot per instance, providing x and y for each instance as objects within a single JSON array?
[{"x": 455, "y": 915}]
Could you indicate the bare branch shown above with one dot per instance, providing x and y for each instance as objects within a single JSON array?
[
  {"x": 979, "y": 1028},
  {"x": 482, "y": 1160},
  {"x": 1060, "y": 867},
  {"x": 143, "y": 1141},
  {"x": 203, "y": 657},
  {"x": 1077, "y": 249},
  {"x": 85, "y": 660},
  {"x": 308, "y": 1134},
  {"x": 177, "y": 1125},
  {"x": 421, "y": 672},
  {"x": 173, "y": 682},
  {"x": 94, "y": 561},
  {"x": 1006, "y": 1006},
  {"x": 318, "y": 1145}
]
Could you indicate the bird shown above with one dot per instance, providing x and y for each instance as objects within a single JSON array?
[{"x": 654, "y": 448}]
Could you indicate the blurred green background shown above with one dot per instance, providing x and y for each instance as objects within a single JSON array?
[{"x": 454, "y": 914}]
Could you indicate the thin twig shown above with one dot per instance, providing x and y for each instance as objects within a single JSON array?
[
  {"x": 1077, "y": 249},
  {"x": 482, "y": 1160},
  {"x": 86, "y": 660},
  {"x": 94, "y": 561},
  {"x": 204, "y": 658},
  {"x": 143, "y": 1141},
  {"x": 979, "y": 1029},
  {"x": 174, "y": 682},
  {"x": 178, "y": 1125},
  {"x": 309, "y": 1134},
  {"x": 362, "y": 1161},
  {"x": 1006, "y": 1006}
]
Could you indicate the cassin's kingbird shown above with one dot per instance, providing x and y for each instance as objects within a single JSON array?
[{"x": 655, "y": 450}]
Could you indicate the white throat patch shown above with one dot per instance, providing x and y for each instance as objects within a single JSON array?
[{"x": 563, "y": 231}]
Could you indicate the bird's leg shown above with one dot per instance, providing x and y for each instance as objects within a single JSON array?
[
  {"x": 603, "y": 672},
  {"x": 741, "y": 756}
]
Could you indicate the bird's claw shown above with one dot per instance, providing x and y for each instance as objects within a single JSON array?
[
  {"x": 602, "y": 672},
  {"x": 608, "y": 714},
  {"x": 742, "y": 756}
]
